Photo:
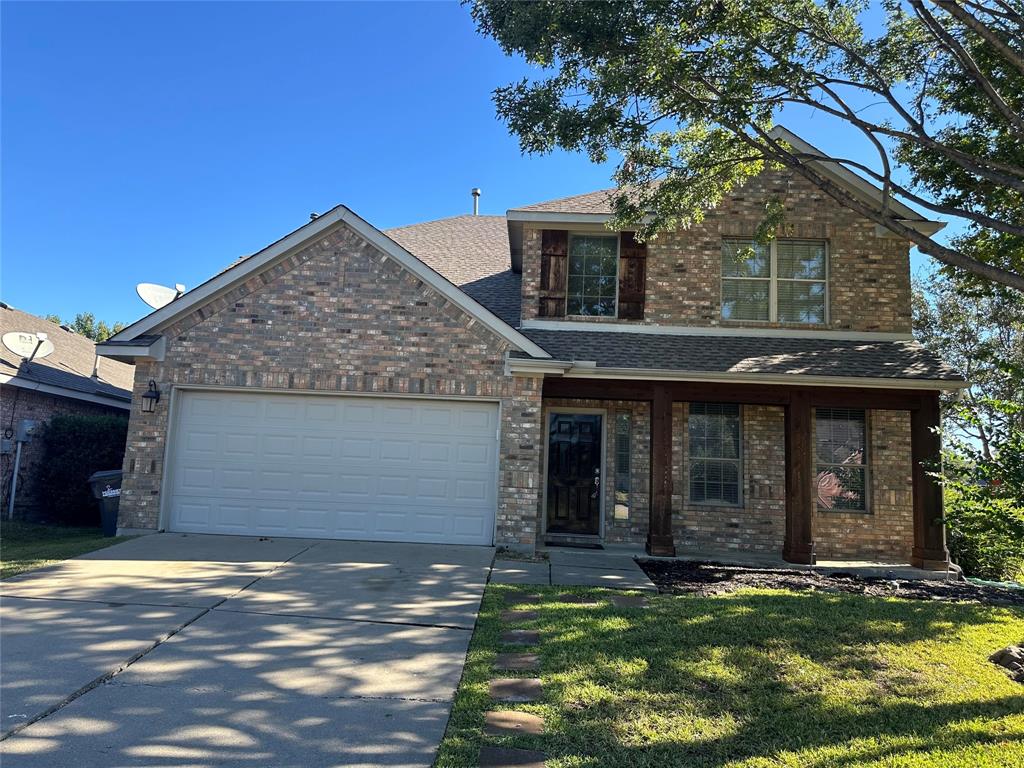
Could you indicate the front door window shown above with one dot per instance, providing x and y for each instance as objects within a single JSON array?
[{"x": 574, "y": 473}]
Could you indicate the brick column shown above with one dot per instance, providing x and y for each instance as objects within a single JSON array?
[
  {"x": 797, "y": 546},
  {"x": 929, "y": 541},
  {"x": 659, "y": 532}
]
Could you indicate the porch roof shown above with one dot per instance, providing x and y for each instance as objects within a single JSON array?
[{"x": 746, "y": 355}]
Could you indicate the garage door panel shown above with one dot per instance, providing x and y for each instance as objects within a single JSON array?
[{"x": 316, "y": 466}]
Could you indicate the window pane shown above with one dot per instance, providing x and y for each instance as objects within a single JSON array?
[
  {"x": 840, "y": 447},
  {"x": 745, "y": 299},
  {"x": 714, "y": 441},
  {"x": 841, "y": 488},
  {"x": 839, "y": 435},
  {"x": 623, "y": 430},
  {"x": 801, "y": 259},
  {"x": 801, "y": 302},
  {"x": 745, "y": 258},
  {"x": 593, "y": 270}
]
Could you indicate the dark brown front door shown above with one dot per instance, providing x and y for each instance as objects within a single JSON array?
[{"x": 574, "y": 473}]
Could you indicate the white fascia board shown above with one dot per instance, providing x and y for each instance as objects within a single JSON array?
[
  {"x": 682, "y": 330},
  {"x": 203, "y": 294},
  {"x": 49, "y": 389},
  {"x": 575, "y": 370},
  {"x": 131, "y": 352},
  {"x": 856, "y": 184}
]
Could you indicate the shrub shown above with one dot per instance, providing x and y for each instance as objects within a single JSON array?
[
  {"x": 984, "y": 501},
  {"x": 73, "y": 448}
]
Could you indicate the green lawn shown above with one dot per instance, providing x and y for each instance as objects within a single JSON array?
[
  {"x": 25, "y": 546},
  {"x": 756, "y": 678}
]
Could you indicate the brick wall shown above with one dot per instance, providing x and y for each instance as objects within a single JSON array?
[
  {"x": 869, "y": 275},
  {"x": 339, "y": 316},
  {"x": 759, "y": 524},
  {"x": 886, "y": 530},
  {"x": 17, "y": 403}
]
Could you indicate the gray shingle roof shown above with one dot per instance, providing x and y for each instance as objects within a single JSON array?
[
  {"x": 70, "y": 365},
  {"x": 473, "y": 253},
  {"x": 746, "y": 354},
  {"x": 599, "y": 201}
]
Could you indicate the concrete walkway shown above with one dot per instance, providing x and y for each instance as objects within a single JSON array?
[
  {"x": 174, "y": 650},
  {"x": 610, "y": 567}
]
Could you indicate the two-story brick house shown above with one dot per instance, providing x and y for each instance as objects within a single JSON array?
[{"x": 535, "y": 377}]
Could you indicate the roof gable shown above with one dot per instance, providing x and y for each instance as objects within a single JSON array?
[{"x": 244, "y": 269}]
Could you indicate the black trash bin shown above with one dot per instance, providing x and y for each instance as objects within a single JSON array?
[{"x": 106, "y": 488}]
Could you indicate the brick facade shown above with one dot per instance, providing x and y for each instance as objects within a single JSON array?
[
  {"x": 17, "y": 403},
  {"x": 869, "y": 275},
  {"x": 885, "y": 530},
  {"x": 339, "y": 316}
]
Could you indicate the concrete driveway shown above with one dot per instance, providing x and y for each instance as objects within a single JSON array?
[{"x": 185, "y": 650}]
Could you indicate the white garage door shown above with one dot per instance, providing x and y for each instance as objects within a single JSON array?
[{"x": 382, "y": 469}]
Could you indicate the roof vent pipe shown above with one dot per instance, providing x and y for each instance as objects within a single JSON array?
[{"x": 476, "y": 201}]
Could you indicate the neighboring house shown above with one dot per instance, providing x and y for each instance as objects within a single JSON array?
[
  {"x": 535, "y": 378},
  {"x": 59, "y": 384}
]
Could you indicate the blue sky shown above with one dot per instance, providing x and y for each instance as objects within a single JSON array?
[{"x": 159, "y": 141}]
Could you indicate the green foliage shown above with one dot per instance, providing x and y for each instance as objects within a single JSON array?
[
  {"x": 85, "y": 324},
  {"x": 984, "y": 496},
  {"x": 73, "y": 448},
  {"x": 686, "y": 92}
]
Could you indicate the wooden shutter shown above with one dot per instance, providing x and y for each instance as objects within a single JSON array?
[
  {"x": 632, "y": 277},
  {"x": 554, "y": 272}
]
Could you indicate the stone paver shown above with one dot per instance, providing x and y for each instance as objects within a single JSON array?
[
  {"x": 510, "y": 722},
  {"x": 517, "y": 662},
  {"x": 576, "y": 600},
  {"x": 510, "y": 617},
  {"x": 497, "y": 757},
  {"x": 515, "y": 599},
  {"x": 520, "y": 637},
  {"x": 629, "y": 601},
  {"x": 515, "y": 690}
]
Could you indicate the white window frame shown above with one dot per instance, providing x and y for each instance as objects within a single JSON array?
[
  {"x": 773, "y": 280},
  {"x": 740, "y": 463},
  {"x": 568, "y": 262}
]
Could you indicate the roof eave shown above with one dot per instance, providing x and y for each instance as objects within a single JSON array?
[
  {"x": 124, "y": 402},
  {"x": 582, "y": 369}
]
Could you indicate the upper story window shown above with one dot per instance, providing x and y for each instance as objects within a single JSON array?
[
  {"x": 593, "y": 275},
  {"x": 783, "y": 281}
]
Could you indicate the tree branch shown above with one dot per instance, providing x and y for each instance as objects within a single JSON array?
[{"x": 982, "y": 30}]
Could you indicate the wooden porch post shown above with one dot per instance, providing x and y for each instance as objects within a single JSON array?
[
  {"x": 797, "y": 546},
  {"x": 659, "y": 531},
  {"x": 929, "y": 545}
]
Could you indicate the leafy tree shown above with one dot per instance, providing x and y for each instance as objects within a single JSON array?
[
  {"x": 85, "y": 324},
  {"x": 981, "y": 334},
  {"x": 687, "y": 92}
]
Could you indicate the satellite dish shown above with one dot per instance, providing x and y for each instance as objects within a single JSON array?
[
  {"x": 29, "y": 346},
  {"x": 159, "y": 295}
]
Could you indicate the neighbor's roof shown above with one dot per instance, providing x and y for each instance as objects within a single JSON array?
[
  {"x": 750, "y": 355},
  {"x": 473, "y": 253},
  {"x": 69, "y": 367}
]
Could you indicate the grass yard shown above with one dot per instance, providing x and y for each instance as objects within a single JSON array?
[
  {"x": 755, "y": 678},
  {"x": 26, "y": 546}
]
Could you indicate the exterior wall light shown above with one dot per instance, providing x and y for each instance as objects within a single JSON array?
[{"x": 150, "y": 398}]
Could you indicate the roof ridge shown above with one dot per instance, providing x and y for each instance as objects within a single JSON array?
[{"x": 447, "y": 218}]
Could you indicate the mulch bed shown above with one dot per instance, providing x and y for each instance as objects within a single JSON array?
[{"x": 678, "y": 577}]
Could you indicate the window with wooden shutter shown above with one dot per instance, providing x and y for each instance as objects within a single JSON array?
[
  {"x": 554, "y": 257},
  {"x": 632, "y": 277}
]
